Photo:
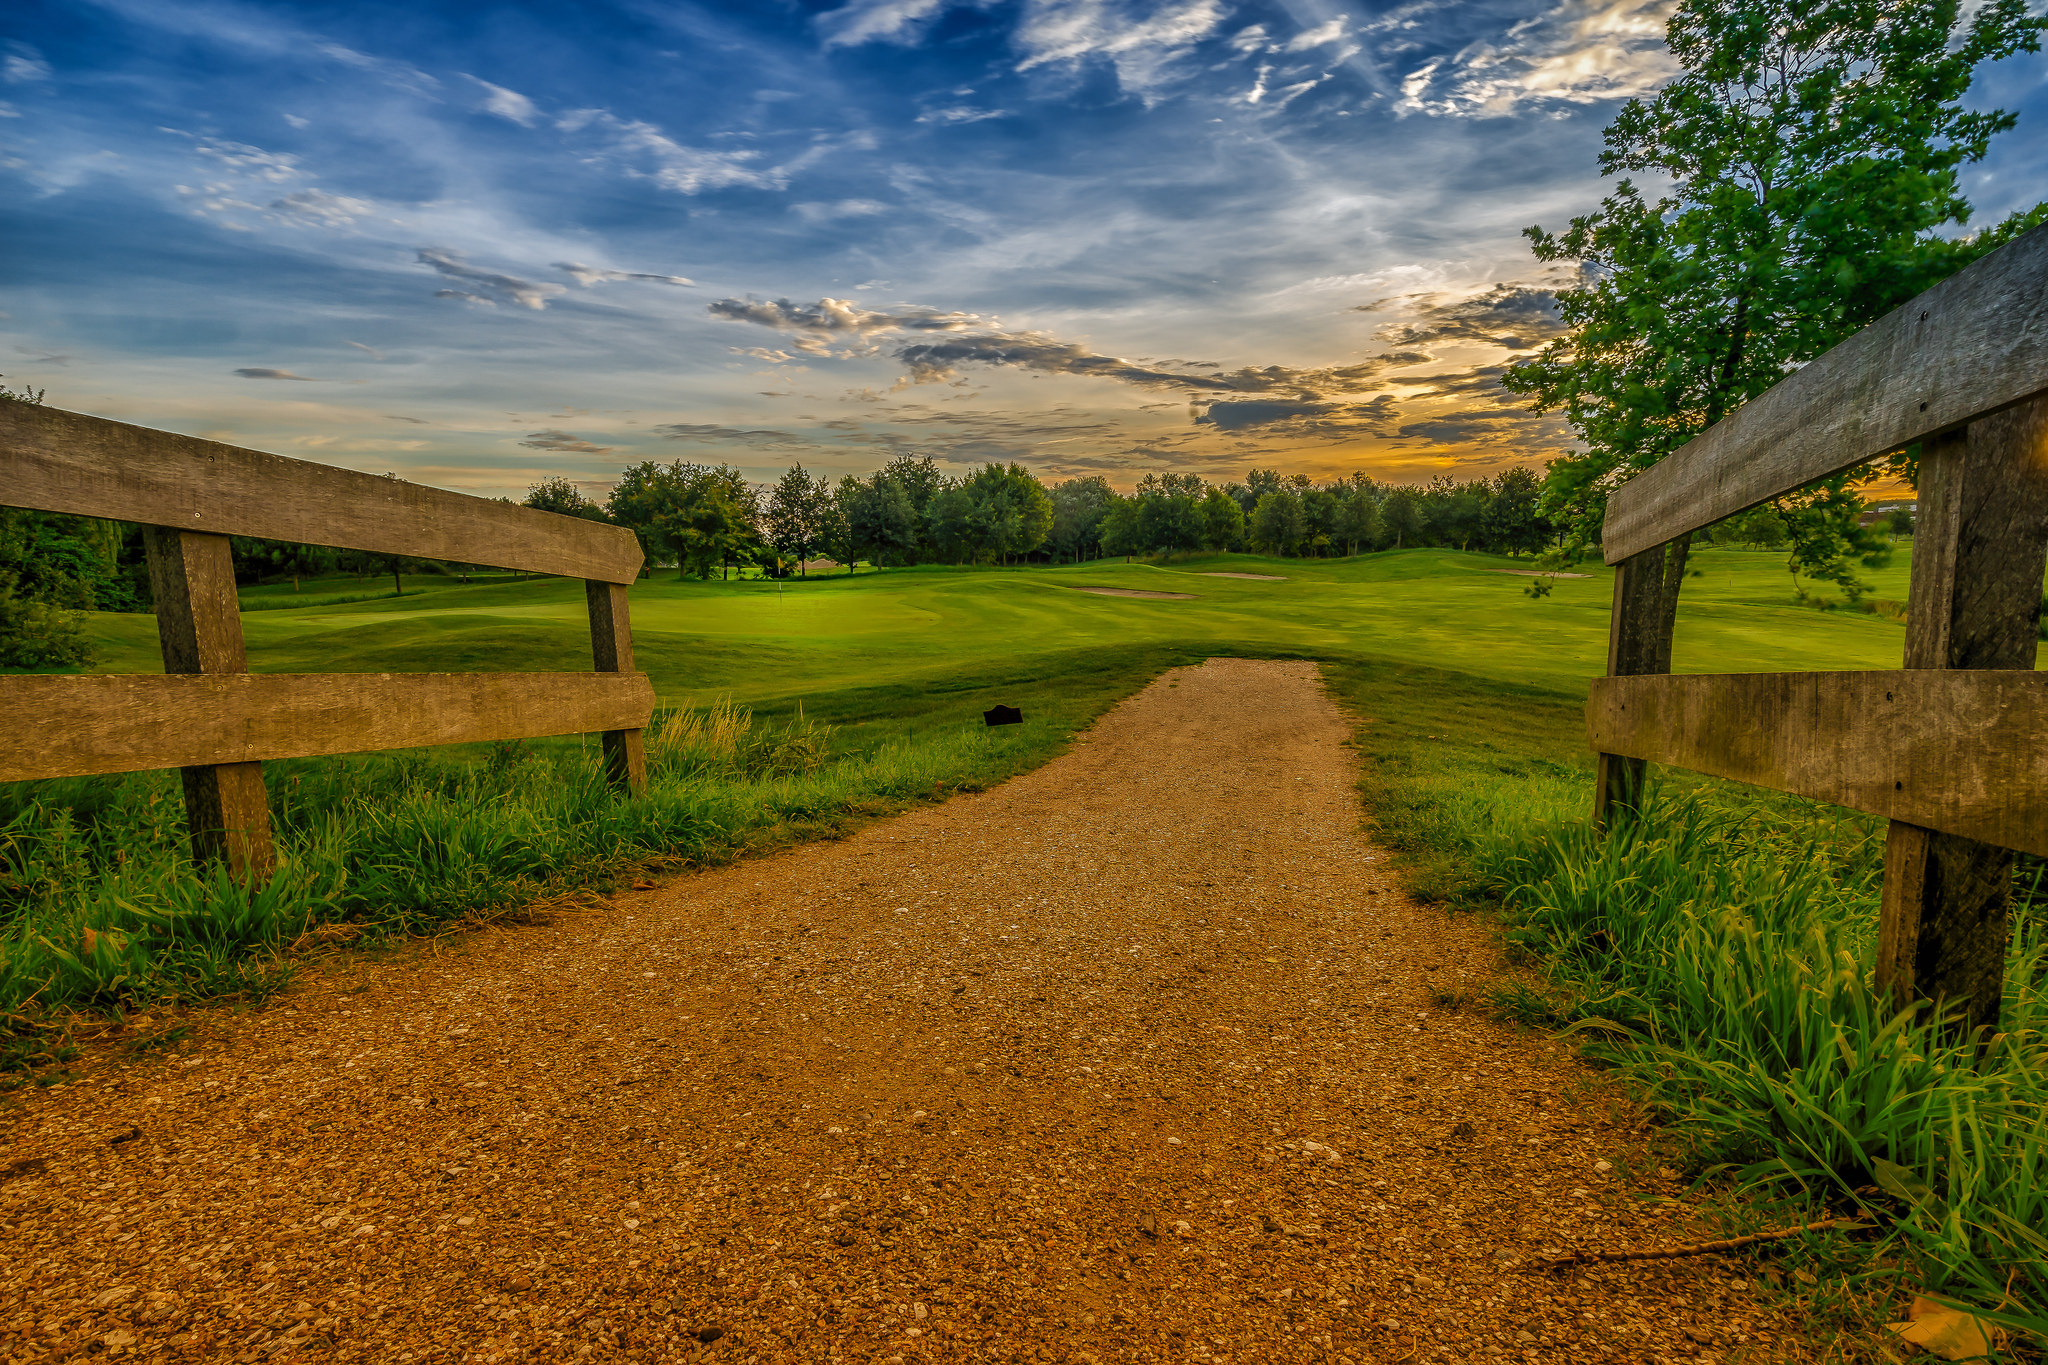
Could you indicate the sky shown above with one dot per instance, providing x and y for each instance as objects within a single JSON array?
[{"x": 480, "y": 246}]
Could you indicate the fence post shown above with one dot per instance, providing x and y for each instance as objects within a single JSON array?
[
  {"x": 199, "y": 624},
  {"x": 1635, "y": 644},
  {"x": 1980, "y": 544},
  {"x": 611, "y": 646}
]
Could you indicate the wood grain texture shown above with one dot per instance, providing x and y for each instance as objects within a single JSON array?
[
  {"x": 1979, "y": 551},
  {"x": 611, "y": 649},
  {"x": 198, "y": 615},
  {"x": 227, "y": 811},
  {"x": 199, "y": 626},
  {"x": 1961, "y": 752},
  {"x": 132, "y": 723},
  {"x": 1636, "y": 643},
  {"x": 57, "y": 461},
  {"x": 1974, "y": 344}
]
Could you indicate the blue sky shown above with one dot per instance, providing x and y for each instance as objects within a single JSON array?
[{"x": 480, "y": 246}]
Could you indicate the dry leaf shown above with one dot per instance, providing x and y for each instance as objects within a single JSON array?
[{"x": 1944, "y": 1331}]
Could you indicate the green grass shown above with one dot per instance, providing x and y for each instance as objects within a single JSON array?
[{"x": 773, "y": 643}]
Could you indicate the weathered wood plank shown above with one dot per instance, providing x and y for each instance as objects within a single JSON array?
[
  {"x": 199, "y": 625},
  {"x": 1972, "y": 345},
  {"x": 1975, "y": 603},
  {"x": 1961, "y": 752},
  {"x": 1636, "y": 644},
  {"x": 57, "y": 461},
  {"x": 611, "y": 649},
  {"x": 77, "y": 725}
]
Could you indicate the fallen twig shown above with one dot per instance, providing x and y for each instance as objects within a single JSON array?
[{"x": 1699, "y": 1248}]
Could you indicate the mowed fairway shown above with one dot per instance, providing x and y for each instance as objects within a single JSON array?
[{"x": 770, "y": 645}]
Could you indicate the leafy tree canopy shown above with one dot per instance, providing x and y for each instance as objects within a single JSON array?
[{"x": 1809, "y": 156}]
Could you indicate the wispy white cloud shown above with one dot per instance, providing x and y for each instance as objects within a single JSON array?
[
  {"x": 486, "y": 287},
  {"x": 669, "y": 163},
  {"x": 507, "y": 104},
  {"x": 401, "y": 75},
  {"x": 1142, "y": 40},
  {"x": 320, "y": 207},
  {"x": 1578, "y": 52},
  {"x": 869, "y": 21},
  {"x": 23, "y": 65},
  {"x": 1331, "y": 32},
  {"x": 839, "y": 210},
  {"x": 252, "y": 162},
  {"x": 265, "y": 372},
  {"x": 588, "y": 275},
  {"x": 961, "y": 113}
]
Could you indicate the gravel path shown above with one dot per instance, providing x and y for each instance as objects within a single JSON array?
[{"x": 1131, "y": 1059}]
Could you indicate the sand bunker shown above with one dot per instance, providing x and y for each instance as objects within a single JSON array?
[
  {"x": 1262, "y": 577},
  {"x": 1536, "y": 573},
  {"x": 1133, "y": 592}
]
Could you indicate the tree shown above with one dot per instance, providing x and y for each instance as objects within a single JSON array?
[
  {"x": 1078, "y": 507},
  {"x": 1222, "y": 520},
  {"x": 695, "y": 515},
  {"x": 256, "y": 560},
  {"x": 949, "y": 524},
  {"x": 1320, "y": 510},
  {"x": 879, "y": 518},
  {"x": 1826, "y": 532},
  {"x": 1452, "y": 512},
  {"x": 1511, "y": 523},
  {"x": 1120, "y": 533},
  {"x": 798, "y": 517},
  {"x": 1277, "y": 524},
  {"x": 1011, "y": 512},
  {"x": 1257, "y": 483},
  {"x": 1358, "y": 517},
  {"x": 1169, "y": 515},
  {"x": 1401, "y": 514},
  {"x": 1810, "y": 153},
  {"x": 919, "y": 479},
  {"x": 564, "y": 498}
]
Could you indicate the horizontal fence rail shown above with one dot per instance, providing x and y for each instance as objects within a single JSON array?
[
  {"x": 1961, "y": 752},
  {"x": 113, "y": 724},
  {"x": 214, "y": 721},
  {"x": 1952, "y": 750},
  {"x": 1972, "y": 345},
  {"x": 57, "y": 461}
]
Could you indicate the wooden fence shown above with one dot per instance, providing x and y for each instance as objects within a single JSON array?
[
  {"x": 217, "y": 722},
  {"x": 1950, "y": 749}
]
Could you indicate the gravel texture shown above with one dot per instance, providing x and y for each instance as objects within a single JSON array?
[{"x": 1135, "y": 1058}]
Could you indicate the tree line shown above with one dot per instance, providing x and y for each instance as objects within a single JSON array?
[{"x": 706, "y": 519}]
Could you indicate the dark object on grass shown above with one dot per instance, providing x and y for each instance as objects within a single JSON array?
[{"x": 1002, "y": 715}]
